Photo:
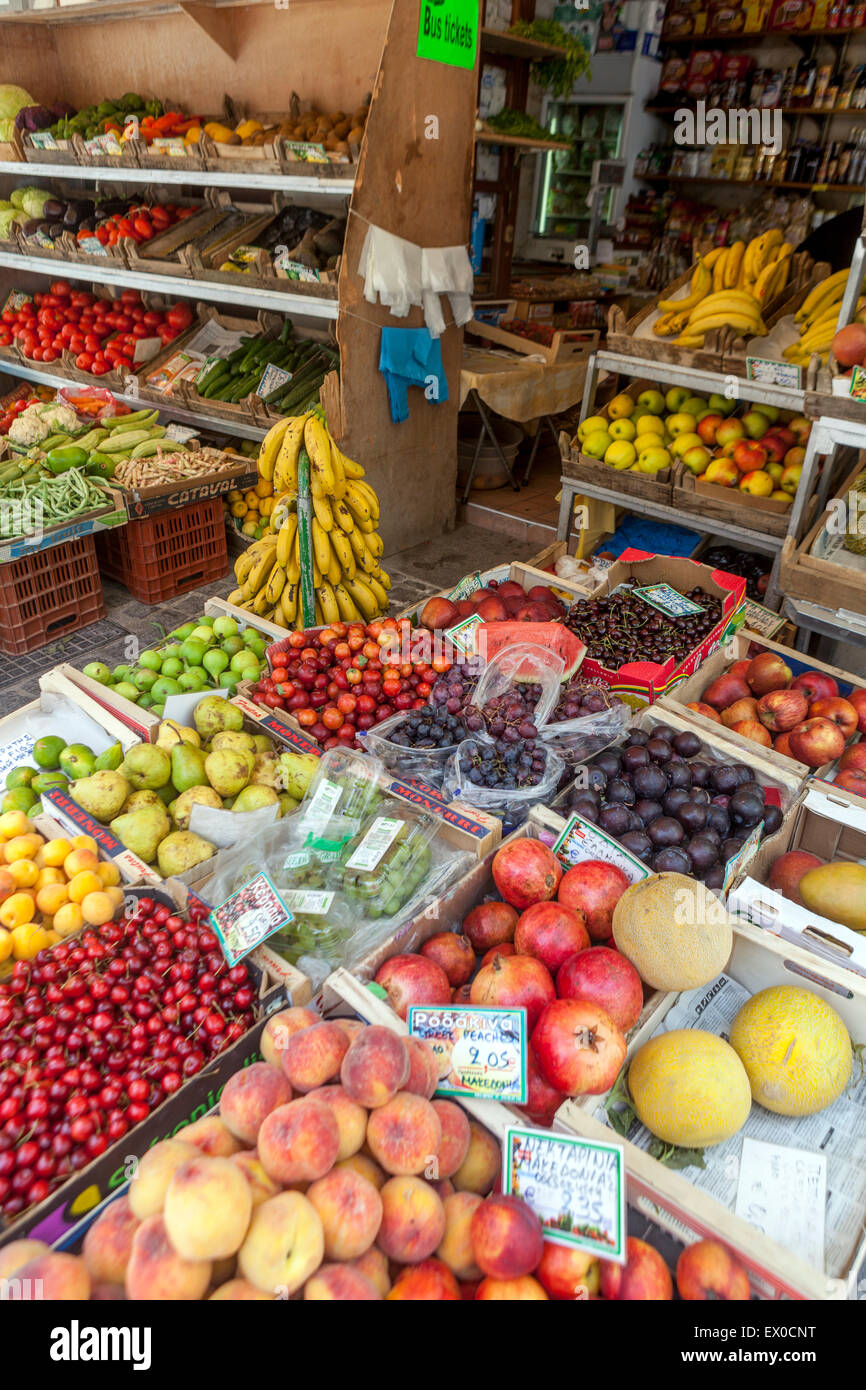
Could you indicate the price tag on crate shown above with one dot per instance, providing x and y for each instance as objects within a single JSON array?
[
  {"x": 294, "y": 270},
  {"x": 43, "y": 140},
  {"x": 464, "y": 637},
  {"x": 181, "y": 434},
  {"x": 481, "y": 1052},
  {"x": 249, "y": 917},
  {"x": 107, "y": 144},
  {"x": 669, "y": 601},
  {"x": 761, "y": 619},
  {"x": 581, "y": 840},
  {"x": 170, "y": 145},
  {"x": 272, "y": 377},
  {"x": 783, "y": 1192},
  {"x": 772, "y": 373},
  {"x": 92, "y": 246},
  {"x": 858, "y": 384},
  {"x": 205, "y": 367},
  {"x": 576, "y": 1187},
  {"x": 306, "y": 152}
]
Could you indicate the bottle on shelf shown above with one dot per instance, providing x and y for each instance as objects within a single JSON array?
[
  {"x": 823, "y": 80},
  {"x": 786, "y": 90},
  {"x": 830, "y": 99},
  {"x": 858, "y": 101},
  {"x": 804, "y": 82}
]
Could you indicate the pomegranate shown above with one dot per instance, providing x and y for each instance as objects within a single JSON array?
[
  {"x": 526, "y": 872},
  {"x": 413, "y": 980},
  {"x": 514, "y": 982},
  {"x": 603, "y": 977},
  {"x": 551, "y": 932},
  {"x": 542, "y": 1099},
  {"x": 578, "y": 1046},
  {"x": 594, "y": 888},
  {"x": 490, "y": 924}
]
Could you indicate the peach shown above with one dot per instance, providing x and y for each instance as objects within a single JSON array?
[
  {"x": 212, "y": 1137},
  {"x": 525, "y": 1289},
  {"x": 405, "y": 1135},
  {"x": 423, "y": 1068},
  {"x": 506, "y": 1237},
  {"x": 413, "y": 1220},
  {"x": 285, "y": 1244},
  {"x": 707, "y": 1270},
  {"x": 313, "y": 1056},
  {"x": 351, "y": 1118},
  {"x": 564, "y": 1271},
  {"x": 299, "y": 1142},
  {"x": 480, "y": 1168},
  {"x": 280, "y": 1027},
  {"x": 453, "y": 953},
  {"x": 342, "y": 1283},
  {"x": 156, "y": 1273},
  {"x": 239, "y": 1291},
  {"x": 153, "y": 1173},
  {"x": 107, "y": 1293},
  {"x": 20, "y": 1252},
  {"x": 207, "y": 1209},
  {"x": 261, "y": 1186},
  {"x": 249, "y": 1096},
  {"x": 374, "y": 1265},
  {"x": 108, "y": 1242},
  {"x": 643, "y": 1278},
  {"x": 367, "y": 1167},
  {"x": 376, "y": 1065},
  {"x": 455, "y": 1136},
  {"x": 350, "y": 1210},
  {"x": 55, "y": 1278},
  {"x": 430, "y": 1282},
  {"x": 350, "y": 1026},
  {"x": 455, "y": 1249}
]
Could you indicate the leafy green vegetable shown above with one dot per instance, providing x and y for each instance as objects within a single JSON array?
[
  {"x": 558, "y": 75},
  {"x": 12, "y": 99},
  {"x": 510, "y": 122}
]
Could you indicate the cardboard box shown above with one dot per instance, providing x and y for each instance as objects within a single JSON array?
[
  {"x": 643, "y": 682},
  {"x": 743, "y": 646},
  {"x": 62, "y": 711},
  {"x": 525, "y": 572},
  {"x": 162, "y": 497},
  {"x": 135, "y": 722},
  {"x": 832, "y": 825}
]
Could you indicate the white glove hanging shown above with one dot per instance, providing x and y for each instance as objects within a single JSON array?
[
  {"x": 446, "y": 270},
  {"x": 391, "y": 268}
]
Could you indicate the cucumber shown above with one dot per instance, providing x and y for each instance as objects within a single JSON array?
[
  {"x": 142, "y": 420},
  {"x": 55, "y": 441},
  {"x": 125, "y": 442},
  {"x": 92, "y": 439},
  {"x": 146, "y": 448}
]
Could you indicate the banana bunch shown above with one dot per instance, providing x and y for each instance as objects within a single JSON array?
[
  {"x": 818, "y": 316},
  {"x": 729, "y": 287},
  {"x": 350, "y": 584}
]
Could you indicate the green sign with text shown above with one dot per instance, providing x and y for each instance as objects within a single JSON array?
[{"x": 448, "y": 32}]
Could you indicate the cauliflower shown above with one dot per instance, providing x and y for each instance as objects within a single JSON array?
[
  {"x": 29, "y": 427},
  {"x": 58, "y": 416}
]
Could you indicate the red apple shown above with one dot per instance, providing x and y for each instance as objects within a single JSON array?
[
  {"x": 817, "y": 741},
  {"x": 594, "y": 888},
  {"x": 707, "y": 1271},
  {"x": 439, "y": 612},
  {"x": 725, "y": 690},
  {"x": 749, "y": 456},
  {"x": 774, "y": 445},
  {"x": 707, "y": 426},
  {"x": 490, "y": 924},
  {"x": 706, "y": 710},
  {"x": 604, "y": 977},
  {"x": 840, "y": 712},
  {"x": 854, "y": 758},
  {"x": 643, "y": 1278},
  {"x": 768, "y": 671},
  {"x": 526, "y": 872},
  {"x": 780, "y": 710},
  {"x": 413, "y": 980},
  {"x": 551, "y": 932},
  {"x": 786, "y": 872},
  {"x": 578, "y": 1046},
  {"x": 852, "y": 779},
  {"x": 514, "y": 982},
  {"x": 492, "y": 609},
  {"x": 815, "y": 685},
  {"x": 857, "y": 698},
  {"x": 739, "y": 668}
]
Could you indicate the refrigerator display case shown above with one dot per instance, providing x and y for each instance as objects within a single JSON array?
[{"x": 595, "y": 130}]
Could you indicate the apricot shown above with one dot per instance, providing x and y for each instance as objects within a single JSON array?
[
  {"x": 7, "y": 884},
  {"x": 47, "y": 876},
  {"x": 116, "y": 895},
  {"x": 54, "y": 853},
  {"x": 5, "y": 944},
  {"x": 12, "y": 824},
  {"x": 350, "y": 1210},
  {"x": 51, "y": 898},
  {"x": 157, "y": 1273},
  {"x": 97, "y": 909},
  {"x": 68, "y": 919},
  {"x": 413, "y": 1220},
  {"x": 85, "y": 842},
  {"x": 80, "y": 861},
  {"x": 108, "y": 872},
  {"x": 24, "y": 873},
  {"x": 108, "y": 1242},
  {"x": 80, "y": 885},
  {"x": 28, "y": 940}
]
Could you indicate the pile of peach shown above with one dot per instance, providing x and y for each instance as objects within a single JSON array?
[{"x": 50, "y": 889}]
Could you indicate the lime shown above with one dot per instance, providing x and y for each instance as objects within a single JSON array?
[
  {"x": 47, "y": 750},
  {"x": 46, "y": 780},
  {"x": 20, "y": 777},
  {"x": 19, "y": 799}
]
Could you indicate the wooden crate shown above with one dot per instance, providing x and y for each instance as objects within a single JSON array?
[
  {"x": 727, "y": 504},
  {"x": 569, "y": 344},
  {"x": 668, "y": 1198},
  {"x": 656, "y": 487},
  {"x": 803, "y": 575}
]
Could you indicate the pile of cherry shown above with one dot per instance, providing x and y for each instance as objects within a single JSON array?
[{"x": 97, "y": 1031}]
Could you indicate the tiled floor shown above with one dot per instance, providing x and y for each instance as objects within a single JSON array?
[
  {"x": 414, "y": 573},
  {"x": 529, "y": 515}
]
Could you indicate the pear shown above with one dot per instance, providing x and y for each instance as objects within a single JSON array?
[
  {"x": 141, "y": 830},
  {"x": 233, "y": 738},
  {"x": 146, "y": 766},
  {"x": 110, "y": 759},
  {"x": 297, "y": 772},
  {"x": 288, "y": 804},
  {"x": 254, "y": 796},
  {"x": 136, "y": 800},
  {"x": 102, "y": 795},
  {"x": 266, "y": 770},
  {"x": 170, "y": 733},
  {"x": 228, "y": 770},
  {"x": 262, "y": 743},
  {"x": 213, "y": 714},
  {"x": 204, "y": 796},
  {"x": 181, "y": 850},
  {"x": 187, "y": 767}
]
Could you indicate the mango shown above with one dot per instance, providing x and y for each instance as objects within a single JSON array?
[{"x": 837, "y": 890}]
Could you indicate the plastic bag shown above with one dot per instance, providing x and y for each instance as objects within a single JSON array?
[
  {"x": 404, "y": 761},
  {"x": 526, "y": 668},
  {"x": 511, "y": 804},
  {"x": 345, "y": 783},
  {"x": 90, "y": 393},
  {"x": 576, "y": 740},
  {"x": 387, "y": 861}
]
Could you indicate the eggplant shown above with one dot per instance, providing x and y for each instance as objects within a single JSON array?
[
  {"x": 53, "y": 208},
  {"x": 71, "y": 215},
  {"x": 55, "y": 229},
  {"x": 31, "y": 226}
]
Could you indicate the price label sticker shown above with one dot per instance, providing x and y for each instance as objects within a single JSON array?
[
  {"x": 464, "y": 637},
  {"x": 205, "y": 367},
  {"x": 43, "y": 140},
  {"x": 767, "y": 370},
  {"x": 181, "y": 434},
  {"x": 272, "y": 377},
  {"x": 858, "y": 384},
  {"x": 107, "y": 144},
  {"x": 171, "y": 146},
  {"x": 313, "y": 902},
  {"x": 761, "y": 619},
  {"x": 306, "y": 151},
  {"x": 249, "y": 917},
  {"x": 323, "y": 803},
  {"x": 375, "y": 844},
  {"x": 481, "y": 1052},
  {"x": 669, "y": 601},
  {"x": 582, "y": 840},
  {"x": 92, "y": 246},
  {"x": 576, "y": 1187}
]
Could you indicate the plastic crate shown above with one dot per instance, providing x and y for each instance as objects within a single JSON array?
[
  {"x": 48, "y": 594},
  {"x": 167, "y": 554}
]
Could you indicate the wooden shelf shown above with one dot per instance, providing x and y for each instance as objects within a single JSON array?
[
  {"x": 520, "y": 142},
  {"x": 512, "y": 46},
  {"x": 793, "y": 34},
  {"x": 193, "y": 178},
  {"x": 750, "y": 183}
]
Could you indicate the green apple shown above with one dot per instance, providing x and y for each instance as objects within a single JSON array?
[
  {"x": 771, "y": 411},
  {"x": 755, "y": 424},
  {"x": 696, "y": 458},
  {"x": 720, "y": 404},
  {"x": 597, "y": 444},
  {"x": 98, "y": 671},
  {"x": 650, "y": 424},
  {"x": 622, "y": 429},
  {"x": 620, "y": 454},
  {"x": 592, "y": 425},
  {"x": 675, "y": 397},
  {"x": 683, "y": 442},
  {"x": 652, "y": 401},
  {"x": 694, "y": 404},
  {"x": 653, "y": 461}
]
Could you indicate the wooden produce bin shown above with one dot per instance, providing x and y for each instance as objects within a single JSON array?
[
  {"x": 817, "y": 579},
  {"x": 653, "y": 487},
  {"x": 743, "y": 646},
  {"x": 678, "y": 1204},
  {"x": 568, "y": 344},
  {"x": 729, "y": 505}
]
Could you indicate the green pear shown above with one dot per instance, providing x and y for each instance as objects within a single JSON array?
[
  {"x": 254, "y": 796},
  {"x": 110, "y": 759},
  {"x": 204, "y": 796},
  {"x": 233, "y": 738},
  {"x": 187, "y": 767},
  {"x": 98, "y": 671},
  {"x": 146, "y": 766},
  {"x": 262, "y": 743},
  {"x": 228, "y": 770},
  {"x": 136, "y": 800},
  {"x": 288, "y": 804},
  {"x": 142, "y": 830},
  {"x": 166, "y": 794},
  {"x": 266, "y": 770},
  {"x": 102, "y": 795},
  {"x": 181, "y": 851},
  {"x": 77, "y": 761},
  {"x": 213, "y": 714},
  {"x": 171, "y": 732}
]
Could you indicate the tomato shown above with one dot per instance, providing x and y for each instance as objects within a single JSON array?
[
  {"x": 76, "y": 343},
  {"x": 152, "y": 318},
  {"x": 390, "y": 688},
  {"x": 136, "y": 313},
  {"x": 306, "y": 717},
  {"x": 62, "y": 288},
  {"x": 130, "y": 297},
  {"x": 179, "y": 316},
  {"x": 8, "y": 316},
  {"x": 50, "y": 354},
  {"x": 123, "y": 363},
  {"x": 84, "y": 361},
  {"x": 168, "y": 334},
  {"x": 36, "y": 354},
  {"x": 100, "y": 367}
]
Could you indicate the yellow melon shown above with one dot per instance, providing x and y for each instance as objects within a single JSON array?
[
  {"x": 675, "y": 932},
  {"x": 795, "y": 1049},
  {"x": 689, "y": 1088}
]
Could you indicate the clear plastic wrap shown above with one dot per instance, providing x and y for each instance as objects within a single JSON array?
[
  {"x": 382, "y": 866},
  {"x": 523, "y": 668},
  {"x": 345, "y": 783},
  {"x": 404, "y": 761},
  {"x": 511, "y": 804},
  {"x": 576, "y": 740}
]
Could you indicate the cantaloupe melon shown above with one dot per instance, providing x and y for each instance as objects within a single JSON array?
[
  {"x": 675, "y": 932},
  {"x": 689, "y": 1088},
  {"x": 795, "y": 1049}
]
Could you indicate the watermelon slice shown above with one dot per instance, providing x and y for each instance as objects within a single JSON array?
[{"x": 554, "y": 636}]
